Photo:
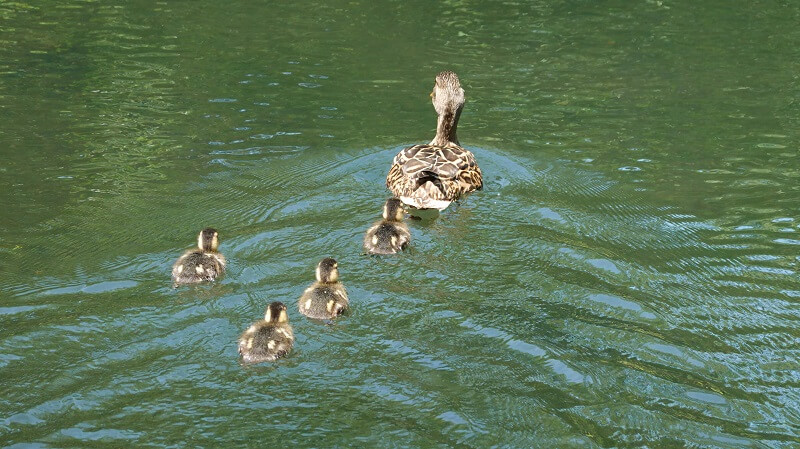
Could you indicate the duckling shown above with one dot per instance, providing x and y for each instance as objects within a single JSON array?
[
  {"x": 203, "y": 263},
  {"x": 431, "y": 176},
  {"x": 326, "y": 298},
  {"x": 268, "y": 339},
  {"x": 390, "y": 235}
]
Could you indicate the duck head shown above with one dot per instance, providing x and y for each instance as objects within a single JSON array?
[
  {"x": 328, "y": 271},
  {"x": 208, "y": 239},
  {"x": 448, "y": 100}
]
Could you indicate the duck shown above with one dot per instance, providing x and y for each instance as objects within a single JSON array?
[
  {"x": 200, "y": 264},
  {"x": 327, "y": 298},
  {"x": 390, "y": 235},
  {"x": 433, "y": 175},
  {"x": 268, "y": 339}
]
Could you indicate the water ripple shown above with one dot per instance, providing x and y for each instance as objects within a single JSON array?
[{"x": 626, "y": 278}]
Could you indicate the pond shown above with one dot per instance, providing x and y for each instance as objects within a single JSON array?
[{"x": 628, "y": 276}]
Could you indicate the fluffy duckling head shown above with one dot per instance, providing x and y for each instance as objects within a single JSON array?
[
  {"x": 328, "y": 271},
  {"x": 208, "y": 239},
  {"x": 393, "y": 210},
  {"x": 276, "y": 313},
  {"x": 447, "y": 95}
]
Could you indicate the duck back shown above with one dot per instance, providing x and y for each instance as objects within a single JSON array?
[
  {"x": 265, "y": 342},
  {"x": 197, "y": 266},
  {"x": 323, "y": 301}
]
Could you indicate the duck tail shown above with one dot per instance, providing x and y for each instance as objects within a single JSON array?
[
  {"x": 427, "y": 192},
  {"x": 434, "y": 180}
]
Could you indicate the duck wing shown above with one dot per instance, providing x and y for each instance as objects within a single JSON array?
[{"x": 425, "y": 175}]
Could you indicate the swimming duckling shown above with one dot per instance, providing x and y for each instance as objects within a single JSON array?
[
  {"x": 203, "y": 263},
  {"x": 268, "y": 339},
  {"x": 433, "y": 175},
  {"x": 390, "y": 235},
  {"x": 326, "y": 298}
]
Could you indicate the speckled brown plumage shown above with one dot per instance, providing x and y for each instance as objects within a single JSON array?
[
  {"x": 435, "y": 174},
  {"x": 426, "y": 172}
]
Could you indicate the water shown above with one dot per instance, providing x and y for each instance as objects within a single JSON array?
[{"x": 628, "y": 277}]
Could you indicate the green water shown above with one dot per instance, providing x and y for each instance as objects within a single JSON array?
[{"x": 627, "y": 278}]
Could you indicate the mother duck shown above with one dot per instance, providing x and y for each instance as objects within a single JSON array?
[{"x": 431, "y": 176}]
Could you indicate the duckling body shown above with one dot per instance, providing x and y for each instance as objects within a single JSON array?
[
  {"x": 390, "y": 235},
  {"x": 268, "y": 339},
  {"x": 326, "y": 298},
  {"x": 431, "y": 176},
  {"x": 201, "y": 264}
]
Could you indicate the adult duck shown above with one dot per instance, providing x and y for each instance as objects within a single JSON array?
[{"x": 433, "y": 175}]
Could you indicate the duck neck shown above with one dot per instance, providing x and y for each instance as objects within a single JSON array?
[{"x": 446, "y": 129}]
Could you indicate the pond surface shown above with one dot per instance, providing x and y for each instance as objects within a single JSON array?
[{"x": 627, "y": 278}]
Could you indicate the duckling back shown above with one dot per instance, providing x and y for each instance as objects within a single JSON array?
[
  {"x": 265, "y": 342},
  {"x": 323, "y": 301},
  {"x": 197, "y": 266},
  {"x": 386, "y": 237}
]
